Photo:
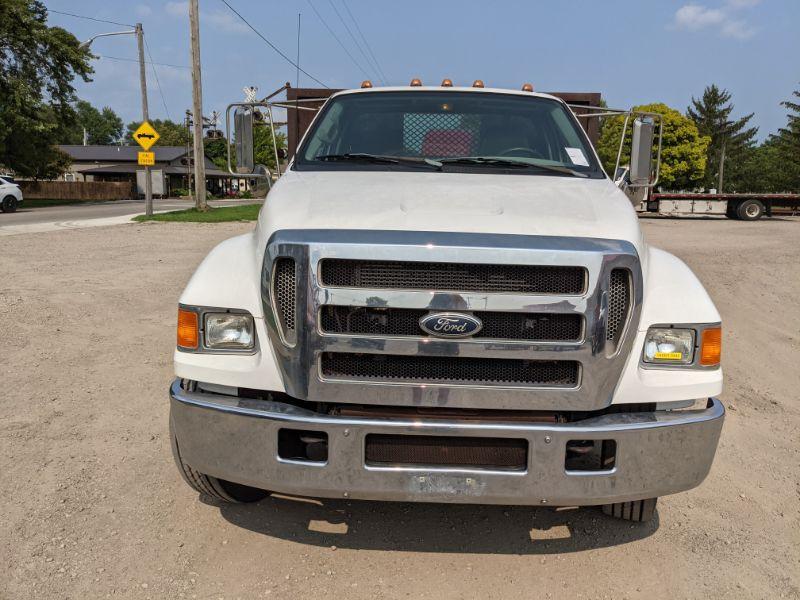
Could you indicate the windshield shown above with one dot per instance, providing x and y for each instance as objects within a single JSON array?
[{"x": 453, "y": 131}]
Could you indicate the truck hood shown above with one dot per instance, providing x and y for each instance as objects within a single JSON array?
[{"x": 453, "y": 202}]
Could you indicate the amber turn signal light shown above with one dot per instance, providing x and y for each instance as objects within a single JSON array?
[
  {"x": 188, "y": 329},
  {"x": 711, "y": 347}
]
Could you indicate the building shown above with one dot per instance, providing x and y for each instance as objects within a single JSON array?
[{"x": 120, "y": 163}]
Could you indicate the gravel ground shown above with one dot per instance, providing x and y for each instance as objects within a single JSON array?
[{"x": 93, "y": 506}]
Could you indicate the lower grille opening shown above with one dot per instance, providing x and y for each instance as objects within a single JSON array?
[
  {"x": 586, "y": 456},
  {"x": 452, "y": 370},
  {"x": 440, "y": 451}
]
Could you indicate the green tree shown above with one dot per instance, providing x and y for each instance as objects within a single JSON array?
[
  {"x": 788, "y": 144},
  {"x": 763, "y": 169},
  {"x": 217, "y": 150},
  {"x": 729, "y": 138},
  {"x": 37, "y": 67},
  {"x": 102, "y": 126},
  {"x": 683, "y": 152},
  {"x": 263, "y": 147},
  {"x": 172, "y": 133}
]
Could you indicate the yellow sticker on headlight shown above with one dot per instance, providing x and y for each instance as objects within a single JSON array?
[{"x": 669, "y": 355}]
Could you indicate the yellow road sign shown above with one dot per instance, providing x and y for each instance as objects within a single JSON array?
[
  {"x": 147, "y": 159},
  {"x": 146, "y": 136}
]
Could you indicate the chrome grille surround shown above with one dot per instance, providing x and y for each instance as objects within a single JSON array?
[{"x": 601, "y": 363}]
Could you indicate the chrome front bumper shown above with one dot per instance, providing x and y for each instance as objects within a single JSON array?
[{"x": 236, "y": 439}]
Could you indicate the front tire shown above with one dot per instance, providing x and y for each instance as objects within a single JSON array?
[
  {"x": 638, "y": 511},
  {"x": 9, "y": 204},
  {"x": 218, "y": 489}
]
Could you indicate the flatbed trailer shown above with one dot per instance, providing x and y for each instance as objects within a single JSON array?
[{"x": 747, "y": 207}]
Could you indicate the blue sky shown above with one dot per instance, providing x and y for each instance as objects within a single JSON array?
[{"x": 632, "y": 51}]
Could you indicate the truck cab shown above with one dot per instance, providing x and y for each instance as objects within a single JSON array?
[{"x": 446, "y": 299}]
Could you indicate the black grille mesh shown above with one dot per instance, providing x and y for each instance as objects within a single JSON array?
[
  {"x": 285, "y": 290},
  {"x": 496, "y": 325},
  {"x": 429, "y": 450},
  {"x": 455, "y": 370},
  {"x": 521, "y": 279},
  {"x": 619, "y": 293}
]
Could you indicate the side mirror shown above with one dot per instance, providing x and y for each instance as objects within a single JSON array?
[
  {"x": 642, "y": 151},
  {"x": 243, "y": 139},
  {"x": 282, "y": 153}
]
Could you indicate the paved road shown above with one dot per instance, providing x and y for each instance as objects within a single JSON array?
[{"x": 77, "y": 216}]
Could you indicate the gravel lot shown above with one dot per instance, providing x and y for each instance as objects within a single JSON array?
[{"x": 93, "y": 506}]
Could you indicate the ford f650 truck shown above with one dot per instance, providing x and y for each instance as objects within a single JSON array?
[{"x": 446, "y": 299}]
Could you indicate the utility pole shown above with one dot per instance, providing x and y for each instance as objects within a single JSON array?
[
  {"x": 721, "y": 167},
  {"x": 148, "y": 183},
  {"x": 197, "y": 109}
]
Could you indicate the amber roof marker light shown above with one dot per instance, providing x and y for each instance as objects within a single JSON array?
[
  {"x": 477, "y": 83},
  {"x": 366, "y": 83},
  {"x": 416, "y": 82},
  {"x": 527, "y": 87},
  {"x": 447, "y": 82}
]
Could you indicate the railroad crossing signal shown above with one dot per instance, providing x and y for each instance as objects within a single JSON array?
[
  {"x": 147, "y": 159},
  {"x": 146, "y": 136}
]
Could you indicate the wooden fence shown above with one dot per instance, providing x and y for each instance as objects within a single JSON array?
[{"x": 77, "y": 190}]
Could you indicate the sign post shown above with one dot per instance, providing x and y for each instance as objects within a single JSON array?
[{"x": 146, "y": 136}]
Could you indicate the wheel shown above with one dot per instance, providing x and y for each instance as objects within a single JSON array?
[
  {"x": 638, "y": 510},
  {"x": 750, "y": 210},
  {"x": 219, "y": 489},
  {"x": 9, "y": 204}
]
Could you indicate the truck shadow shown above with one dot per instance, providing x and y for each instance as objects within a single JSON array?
[{"x": 420, "y": 527}]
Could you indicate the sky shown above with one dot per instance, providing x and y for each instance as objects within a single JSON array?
[{"x": 632, "y": 51}]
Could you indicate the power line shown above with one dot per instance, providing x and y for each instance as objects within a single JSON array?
[
  {"x": 271, "y": 45},
  {"x": 58, "y": 12},
  {"x": 366, "y": 43},
  {"x": 158, "y": 83},
  {"x": 336, "y": 37},
  {"x": 135, "y": 60},
  {"x": 350, "y": 33}
]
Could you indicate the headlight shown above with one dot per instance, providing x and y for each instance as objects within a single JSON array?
[
  {"x": 228, "y": 331},
  {"x": 669, "y": 346}
]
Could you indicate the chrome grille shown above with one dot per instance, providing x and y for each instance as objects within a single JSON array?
[
  {"x": 453, "y": 370},
  {"x": 355, "y": 320},
  {"x": 519, "y": 279},
  {"x": 619, "y": 299},
  {"x": 360, "y": 294},
  {"x": 285, "y": 292}
]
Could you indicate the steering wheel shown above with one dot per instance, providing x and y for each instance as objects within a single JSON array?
[{"x": 529, "y": 152}]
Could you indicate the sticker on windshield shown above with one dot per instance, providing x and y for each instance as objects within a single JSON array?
[{"x": 577, "y": 157}]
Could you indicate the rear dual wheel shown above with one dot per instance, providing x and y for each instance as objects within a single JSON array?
[{"x": 747, "y": 210}]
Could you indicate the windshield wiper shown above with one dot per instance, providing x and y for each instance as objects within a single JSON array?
[
  {"x": 364, "y": 157},
  {"x": 508, "y": 162}
]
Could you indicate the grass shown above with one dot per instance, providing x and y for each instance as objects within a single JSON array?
[{"x": 248, "y": 212}]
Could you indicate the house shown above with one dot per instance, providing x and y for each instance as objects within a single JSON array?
[{"x": 120, "y": 163}]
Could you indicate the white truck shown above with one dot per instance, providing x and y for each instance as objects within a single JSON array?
[{"x": 446, "y": 299}]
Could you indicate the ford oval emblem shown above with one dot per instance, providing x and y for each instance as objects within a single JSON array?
[{"x": 450, "y": 325}]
